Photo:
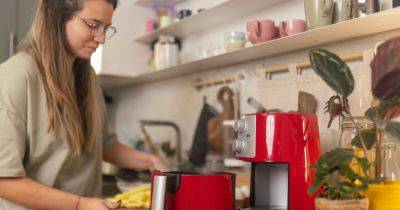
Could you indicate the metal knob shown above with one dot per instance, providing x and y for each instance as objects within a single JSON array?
[
  {"x": 239, "y": 126},
  {"x": 238, "y": 145}
]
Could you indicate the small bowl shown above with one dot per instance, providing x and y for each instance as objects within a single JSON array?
[
  {"x": 234, "y": 35},
  {"x": 234, "y": 40}
]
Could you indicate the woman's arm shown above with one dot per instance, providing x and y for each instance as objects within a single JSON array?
[
  {"x": 126, "y": 157},
  {"x": 34, "y": 195}
]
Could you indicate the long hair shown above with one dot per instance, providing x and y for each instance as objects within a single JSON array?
[{"x": 70, "y": 90}]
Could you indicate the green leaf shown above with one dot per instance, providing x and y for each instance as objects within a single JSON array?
[
  {"x": 386, "y": 110},
  {"x": 369, "y": 136},
  {"x": 376, "y": 114},
  {"x": 333, "y": 70},
  {"x": 390, "y": 103},
  {"x": 348, "y": 173},
  {"x": 318, "y": 183},
  {"x": 393, "y": 128},
  {"x": 363, "y": 163},
  {"x": 392, "y": 107},
  {"x": 335, "y": 158}
]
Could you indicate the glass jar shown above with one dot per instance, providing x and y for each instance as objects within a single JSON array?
[
  {"x": 390, "y": 173},
  {"x": 234, "y": 40},
  {"x": 348, "y": 132}
]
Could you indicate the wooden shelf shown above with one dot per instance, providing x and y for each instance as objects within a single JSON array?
[
  {"x": 149, "y": 3},
  {"x": 222, "y": 13},
  {"x": 347, "y": 30}
]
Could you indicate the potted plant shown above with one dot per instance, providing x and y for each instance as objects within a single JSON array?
[{"x": 337, "y": 184}]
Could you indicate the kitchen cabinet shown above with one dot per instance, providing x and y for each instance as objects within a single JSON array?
[
  {"x": 347, "y": 30},
  {"x": 15, "y": 20}
]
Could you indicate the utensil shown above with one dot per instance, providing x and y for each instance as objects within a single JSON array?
[
  {"x": 215, "y": 128},
  {"x": 307, "y": 103},
  {"x": 256, "y": 105}
]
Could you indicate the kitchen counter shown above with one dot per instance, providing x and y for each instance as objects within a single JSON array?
[{"x": 109, "y": 188}]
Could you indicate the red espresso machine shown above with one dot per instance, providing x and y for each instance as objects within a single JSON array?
[
  {"x": 192, "y": 191},
  {"x": 282, "y": 148}
]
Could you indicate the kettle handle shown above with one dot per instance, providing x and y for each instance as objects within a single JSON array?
[{"x": 159, "y": 192}]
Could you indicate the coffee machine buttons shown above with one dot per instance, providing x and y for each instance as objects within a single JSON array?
[
  {"x": 240, "y": 125},
  {"x": 245, "y": 144}
]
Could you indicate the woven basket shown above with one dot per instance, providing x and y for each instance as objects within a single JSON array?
[{"x": 325, "y": 204}]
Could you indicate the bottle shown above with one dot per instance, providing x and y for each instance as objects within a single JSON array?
[
  {"x": 390, "y": 169},
  {"x": 348, "y": 132}
]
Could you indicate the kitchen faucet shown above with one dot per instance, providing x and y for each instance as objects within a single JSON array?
[{"x": 169, "y": 124}]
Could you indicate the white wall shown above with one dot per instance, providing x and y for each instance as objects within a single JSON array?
[
  {"x": 121, "y": 55},
  {"x": 177, "y": 100}
]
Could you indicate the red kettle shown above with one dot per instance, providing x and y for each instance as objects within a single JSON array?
[{"x": 194, "y": 191}]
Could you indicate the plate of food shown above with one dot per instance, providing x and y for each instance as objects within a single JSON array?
[{"x": 136, "y": 198}]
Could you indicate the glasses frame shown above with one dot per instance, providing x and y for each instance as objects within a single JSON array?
[{"x": 96, "y": 28}]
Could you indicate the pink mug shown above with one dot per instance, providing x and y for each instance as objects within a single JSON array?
[
  {"x": 291, "y": 27},
  {"x": 261, "y": 30},
  {"x": 150, "y": 26}
]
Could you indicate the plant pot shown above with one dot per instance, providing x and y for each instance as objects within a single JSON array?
[
  {"x": 325, "y": 204},
  {"x": 384, "y": 196}
]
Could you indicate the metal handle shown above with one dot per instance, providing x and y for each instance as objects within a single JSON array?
[
  {"x": 159, "y": 192},
  {"x": 12, "y": 44}
]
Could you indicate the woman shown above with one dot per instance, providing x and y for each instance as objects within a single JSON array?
[{"x": 53, "y": 129}]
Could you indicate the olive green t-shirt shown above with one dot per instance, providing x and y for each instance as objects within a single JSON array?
[{"x": 27, "y": 149}]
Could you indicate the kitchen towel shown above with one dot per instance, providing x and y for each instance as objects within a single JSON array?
[{"x": 199, "y": 149}]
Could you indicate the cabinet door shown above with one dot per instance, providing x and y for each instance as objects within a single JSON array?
[
  {"x": 16, "y": 17},
  {"x": 8, "y": 26}
]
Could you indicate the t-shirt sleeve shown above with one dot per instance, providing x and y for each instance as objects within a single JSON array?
[
  {"x": 12, "y": 144},
  {"x": 13, "y": 103},
  {"x": 109, "y": 136}
]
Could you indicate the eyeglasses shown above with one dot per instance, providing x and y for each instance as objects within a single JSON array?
[{"x": 97, "y": 29}]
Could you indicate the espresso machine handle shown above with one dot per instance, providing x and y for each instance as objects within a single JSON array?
[{"x": 159, "y": 192}]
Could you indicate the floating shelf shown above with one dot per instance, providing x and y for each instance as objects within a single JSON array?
[
  {"x": 347, "y": 30},
  {"x": 149, "y": 3},
  {"x": 222, "y": 13}
]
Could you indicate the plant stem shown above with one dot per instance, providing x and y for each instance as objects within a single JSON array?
[
  {"x": 364, "y": 147},
  {"x": 378, "y": 154}
]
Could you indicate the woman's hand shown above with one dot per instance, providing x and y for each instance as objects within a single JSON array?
[
  {"x": 156, "y": 164},
  {"x": 95, "y": 204}
]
